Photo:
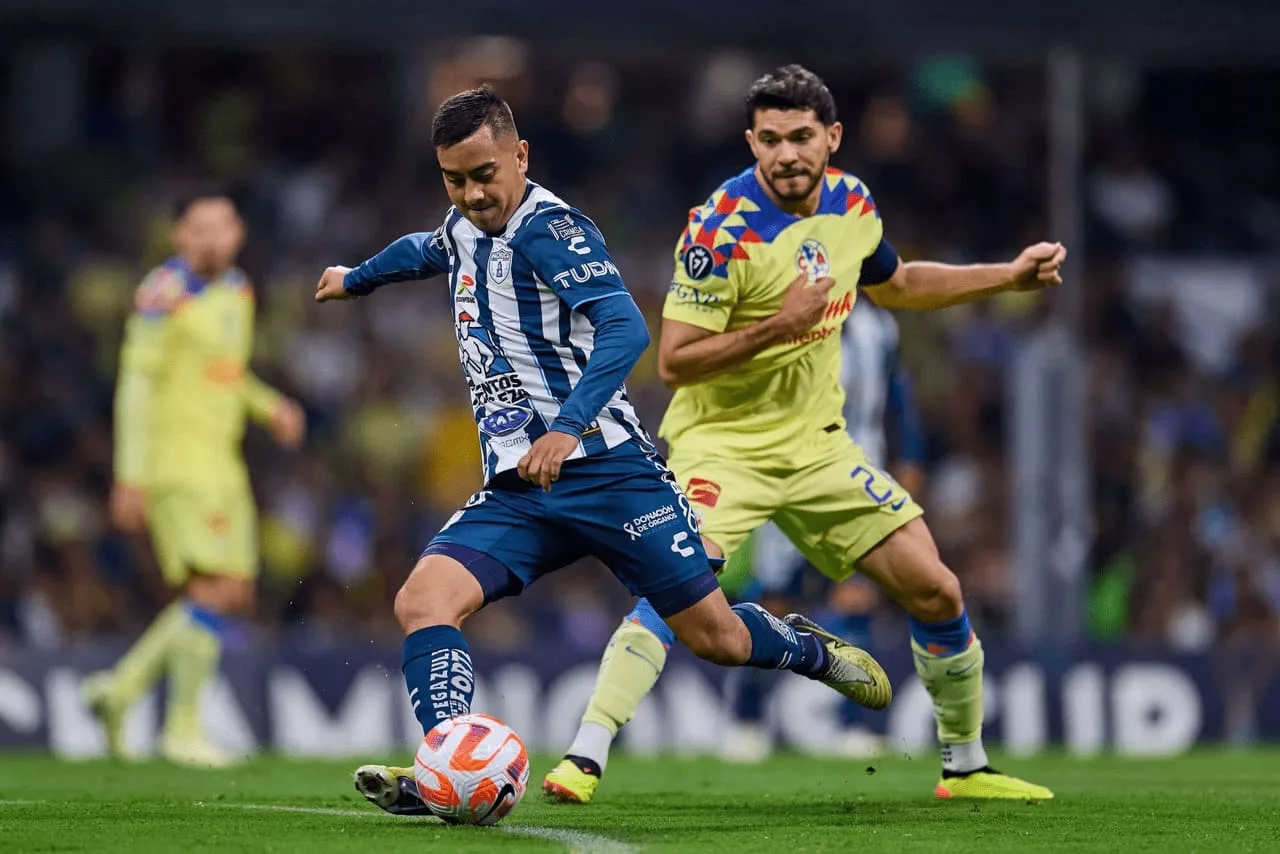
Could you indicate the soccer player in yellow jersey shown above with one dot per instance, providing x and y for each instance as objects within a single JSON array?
[
  {"x": 766, "y": 273},
  {"x": 182, "y": 395}
]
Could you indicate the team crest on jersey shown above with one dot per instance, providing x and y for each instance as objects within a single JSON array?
[
  {"x": 698, "y": 262},
  {"x": 499, "y": 265},
  {"x": 813, "y": 260}
]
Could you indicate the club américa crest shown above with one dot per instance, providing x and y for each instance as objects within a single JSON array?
[{"x": 813, "y": 260}]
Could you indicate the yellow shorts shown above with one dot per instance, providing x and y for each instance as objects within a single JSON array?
[
  {"x": 834, "y": 510},
  {"x": 209, "y": 531}
]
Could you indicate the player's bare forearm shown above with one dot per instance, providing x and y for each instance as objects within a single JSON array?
[
  {"x": 686, "y": 357},
  {"x": 924, "y": 285}
]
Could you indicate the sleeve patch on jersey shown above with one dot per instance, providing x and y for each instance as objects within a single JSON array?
[
  {"x": 698, "y": 262},
  {"x": 159, "y": 292},
  {"x": 564, "y": 228}
]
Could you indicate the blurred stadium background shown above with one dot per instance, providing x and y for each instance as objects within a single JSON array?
[{"x": 1103, "y": 465}]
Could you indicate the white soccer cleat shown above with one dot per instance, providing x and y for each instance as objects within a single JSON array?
[
  {"x": 392, "y": 789},
  {"x": 197, "y": 753},
  {"x": 746, "y": 744}
]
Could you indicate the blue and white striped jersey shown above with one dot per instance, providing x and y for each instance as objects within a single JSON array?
[
  {"x": 869, "y": 345},
  {"x": 518, "y": 301}
]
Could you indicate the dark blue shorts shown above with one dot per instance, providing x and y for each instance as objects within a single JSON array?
[{"x": 622, "y": 506}]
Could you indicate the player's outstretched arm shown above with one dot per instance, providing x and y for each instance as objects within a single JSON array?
[
  {"x": 414, "y": 256},
  {"x": 689, "y": 354},
  {"x": 924, "y": 285}
]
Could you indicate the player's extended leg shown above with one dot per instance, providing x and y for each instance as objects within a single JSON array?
[
  {"x": 206, "y": 545},
  {"x": 194, "y": 651},
  {"x": 630, "y": 667},
  {"x": 948, "y": 658},
  {"x": 110, "y": 694},
  {"x": 440, "y": 593}
]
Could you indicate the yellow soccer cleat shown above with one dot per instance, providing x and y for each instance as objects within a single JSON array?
[
  {"x": 850, "y": 670},
  {"x": 96, "y": 691},
  {"x": 393, "y": 789},
  {"x": 990, "y": 784},
  {"x": 569, "y": 784}
]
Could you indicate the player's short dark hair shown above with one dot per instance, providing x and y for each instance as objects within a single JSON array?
[
  {"x": 466, "y": 112},
  {"x": 791, "y": 87},
  {"x": 202, "y": 193}
]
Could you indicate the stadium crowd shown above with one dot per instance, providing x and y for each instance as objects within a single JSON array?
[{"x": 332, "y": 163}]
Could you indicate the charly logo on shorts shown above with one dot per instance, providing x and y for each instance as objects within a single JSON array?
[
  {"x": 637, "y": 527},
  {"x": 813, "y": 260},
  {"x": 499, "y": 264}
]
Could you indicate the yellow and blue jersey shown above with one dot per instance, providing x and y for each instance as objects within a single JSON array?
[
  {"x": 734, "y": 263},
  {"x": 185, "y": 387}
]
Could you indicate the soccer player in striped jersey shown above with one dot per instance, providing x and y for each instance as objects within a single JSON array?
[
  {"x": 547, "y": 334},
  {"x": 755, "y": 427},
  {"x": 182, "y": 397}
]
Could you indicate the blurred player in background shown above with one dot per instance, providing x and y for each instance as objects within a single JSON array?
[
  {"x": 880, "y": 414},
  {"x": 755, "y": 426},
  {"x": 181, "y": 399},
  {"x": 547, "y": 334}
]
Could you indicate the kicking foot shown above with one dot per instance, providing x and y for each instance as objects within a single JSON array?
[
  {"x": 393, "y": 789},
  {"x": 849, "y": 670}
]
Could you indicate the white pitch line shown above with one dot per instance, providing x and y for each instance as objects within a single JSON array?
[
  {"x": 14, "y": 802},
  {"x": 577, "y": 841}
]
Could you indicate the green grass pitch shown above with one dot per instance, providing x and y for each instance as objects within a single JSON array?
[{"x": 1207, "y": 801}]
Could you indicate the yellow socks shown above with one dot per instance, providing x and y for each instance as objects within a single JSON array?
[
  {"x": 629, "y": 669},
  {"x": 135, "y": 674},
  {"x": 193, "y": 661},
  {"x": 948, "y": 659}
]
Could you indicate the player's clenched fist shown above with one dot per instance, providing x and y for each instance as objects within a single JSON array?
[
  {"x": 1038, "y": 266},
  {"x": 331, "y": 285},
  {"x": 803, "y": 305}
]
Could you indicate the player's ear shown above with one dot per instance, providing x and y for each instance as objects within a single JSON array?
[
  {"x": 751, "y": 142},
  {"x": 240, "y": 233},
  {"x": 835, "y": 133},
  {"x": 522, "y": 156}
]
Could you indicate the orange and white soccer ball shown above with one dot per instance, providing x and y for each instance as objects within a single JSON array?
[{"x": 472, "y": 769}]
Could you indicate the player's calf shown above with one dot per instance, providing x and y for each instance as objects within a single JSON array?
[
  {"x": 745, "y": 634},
  {"x": 436, "y": 597}
]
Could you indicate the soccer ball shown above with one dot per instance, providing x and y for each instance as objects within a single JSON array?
[{"x": 472, "y": 769}]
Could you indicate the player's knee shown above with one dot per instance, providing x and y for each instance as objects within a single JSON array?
[
  {"x": 439, "y": 592},
  {"x": 938, "y": 598},
  {"x": 222, "y": 594},
  {"x": 725, "y": 642}
]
